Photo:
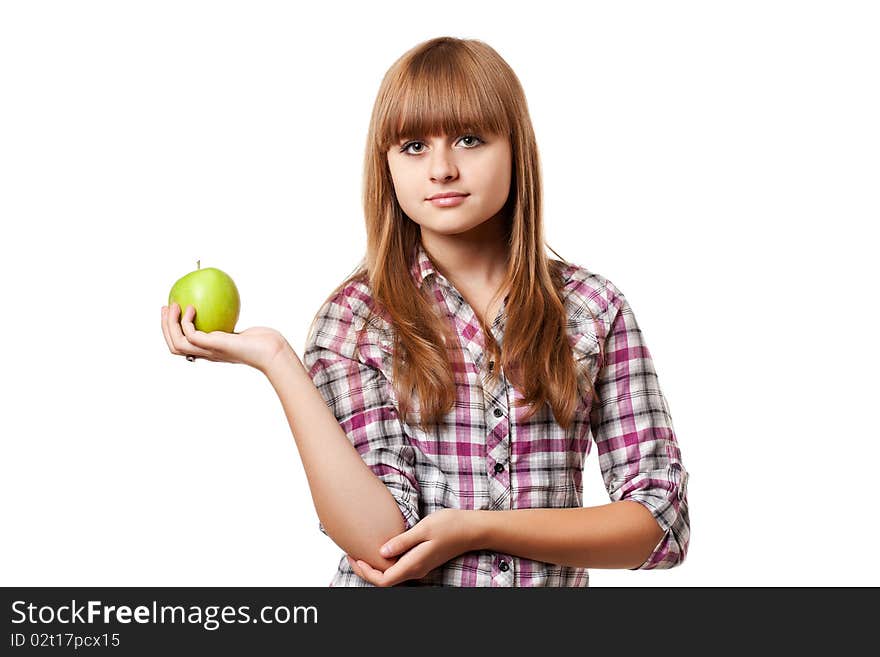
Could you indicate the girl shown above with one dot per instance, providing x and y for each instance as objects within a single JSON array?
[{"x": 450, "y": 387}]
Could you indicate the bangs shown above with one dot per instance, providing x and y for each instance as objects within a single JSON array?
[{"x": 442, "y": 93}]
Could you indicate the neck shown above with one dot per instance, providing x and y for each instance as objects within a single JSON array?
[{"x": 477, "y": 257}]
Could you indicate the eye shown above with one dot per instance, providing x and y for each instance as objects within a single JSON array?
[
  {"x": 406, "y": 147},
  {"x": 474, "y": 139}
]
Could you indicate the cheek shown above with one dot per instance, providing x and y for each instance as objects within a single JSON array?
[
  {"x": 499, "y": 182},
  {"x": 398, "y": 179},
  {"x": 402, "y": 183}
]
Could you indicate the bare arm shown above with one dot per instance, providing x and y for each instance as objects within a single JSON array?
[
  {"x": 618, "y": 535},
  {"x": 622, "y": 534},
  {"x": 355, "y": 507}
]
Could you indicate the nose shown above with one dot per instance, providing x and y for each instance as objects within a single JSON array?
[{"x": 443, "y": 167}]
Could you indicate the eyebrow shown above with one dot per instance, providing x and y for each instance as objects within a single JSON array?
[{"x": 466, "y": 131}]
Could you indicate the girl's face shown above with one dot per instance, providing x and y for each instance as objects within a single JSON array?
[{"x": 476, "y": 165}]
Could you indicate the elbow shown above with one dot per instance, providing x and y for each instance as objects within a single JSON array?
[
  {"x": 669, "y": 509},
  {"x": 364, "y": 547},
  {"x": 361, "y": 537},
  {"x": 669, "y": 539},
  {"x": 668, "y": 553}
]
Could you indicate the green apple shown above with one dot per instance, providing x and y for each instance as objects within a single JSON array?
[{"x": 214, "y": 295}]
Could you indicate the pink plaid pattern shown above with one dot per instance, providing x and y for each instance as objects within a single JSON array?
[{"x": 484, "y": 455}]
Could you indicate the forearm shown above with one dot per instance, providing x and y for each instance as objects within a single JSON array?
[
  {"x": 355, "y": 507},
  {"x": 617, "y": 535}
]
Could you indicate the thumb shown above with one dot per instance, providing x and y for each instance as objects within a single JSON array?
[{"x": 399, "y": 544}]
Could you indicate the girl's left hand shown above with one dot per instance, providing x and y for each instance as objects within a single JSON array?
[{"x": 434, "y": 540}]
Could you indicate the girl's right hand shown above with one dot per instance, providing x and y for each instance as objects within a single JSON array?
[{"x": 256, "y": 346}]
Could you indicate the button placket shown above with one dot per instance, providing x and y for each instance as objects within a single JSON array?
[{"x": 498, "y": 455}]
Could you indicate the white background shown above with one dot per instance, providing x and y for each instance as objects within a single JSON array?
[{"x": 717, "y": 161}]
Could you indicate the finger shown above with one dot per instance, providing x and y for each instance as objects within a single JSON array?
[
  {"x": 410, "y": 566},
  {"x": 169, "y": 323},
  {"x": 165, "y": 331},
  {"x": 403, "y": 542},
  {"x": 178, "y": 339},
  {"x": 370, "y": 574},
  {"x": 396, "y": 574},
  {"x": 196, "y": 338},
  {"x": 214, "y": 341},
  {"x": 358, "y": 570},
  {"x": 397, "y": 545}
]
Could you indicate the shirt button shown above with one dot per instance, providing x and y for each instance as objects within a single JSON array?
[
  {"x": 498, "y": 467},
  {"x": 503, "y": 566},
  {"x": 498, "y": 412}
]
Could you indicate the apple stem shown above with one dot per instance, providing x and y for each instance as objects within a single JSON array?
[{"x": 198, "y": 264}]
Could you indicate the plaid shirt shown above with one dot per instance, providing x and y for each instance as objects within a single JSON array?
[{"x": 483, "y": 455}]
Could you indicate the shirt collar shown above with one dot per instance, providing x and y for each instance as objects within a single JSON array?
[{"x": 422, "y": 267}]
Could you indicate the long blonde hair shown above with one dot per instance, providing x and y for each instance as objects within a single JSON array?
[{"x": 452, "y": 86}]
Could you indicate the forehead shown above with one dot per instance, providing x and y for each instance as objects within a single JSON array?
[
  {"x": 436, "y": 128},
  {"x": 442, "y": 136},
  {"x": 424, "y": 114}
]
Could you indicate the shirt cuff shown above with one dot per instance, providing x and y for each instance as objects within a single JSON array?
[{"x": 672, "y": 518}]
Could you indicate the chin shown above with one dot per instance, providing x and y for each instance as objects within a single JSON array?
[{"x": 452, "y": 228}]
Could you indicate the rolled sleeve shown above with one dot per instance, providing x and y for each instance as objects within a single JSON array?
[
  {"x": 631, "y": 424},
  {"x": 357, "y": 393}
]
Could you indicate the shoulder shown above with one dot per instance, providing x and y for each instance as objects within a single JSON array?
[
  {"x": 588, "y": 294},
  {"x": 347, "y": 319}
]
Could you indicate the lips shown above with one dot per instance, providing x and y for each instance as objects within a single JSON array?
[
  {"x": 446, "y": 195},
  {"x": 448, "y": 201}
]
